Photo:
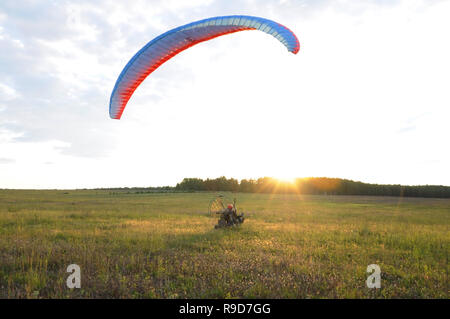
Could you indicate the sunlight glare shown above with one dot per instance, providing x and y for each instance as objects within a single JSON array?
[{"x": 285, "y": 179}]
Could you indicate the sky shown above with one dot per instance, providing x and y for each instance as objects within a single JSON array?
[{"x": 366, "y": 98}]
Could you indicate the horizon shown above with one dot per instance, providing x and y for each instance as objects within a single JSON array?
[
  {"x": 279, "y": 180},
  {"x": 366, "y": 96}
]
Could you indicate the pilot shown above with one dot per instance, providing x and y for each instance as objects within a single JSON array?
[{"x": 229, "y": 214}]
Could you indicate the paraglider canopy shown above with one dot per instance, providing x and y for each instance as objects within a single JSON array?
[{"x": 168, "y": 44}]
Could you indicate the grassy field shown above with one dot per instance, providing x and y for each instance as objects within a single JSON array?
[{"x": 165, "y": 246}]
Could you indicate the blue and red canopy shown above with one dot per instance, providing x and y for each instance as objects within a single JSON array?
[{"x": 168, "y": 44}]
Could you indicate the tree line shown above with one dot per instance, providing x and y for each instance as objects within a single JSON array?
[{"x": 311, "y": 186}]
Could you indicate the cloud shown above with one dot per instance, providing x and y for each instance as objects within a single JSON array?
[
  {"x": 406, "y": 129},
  {"x": 7, "y": 93},
  {"x": 6, "y": 160},
  {"x": 55, "y": 86},
  {"x": 60, "y": 61}
]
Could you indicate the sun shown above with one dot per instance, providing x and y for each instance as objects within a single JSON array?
[{"x": 285, "y": 179}]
